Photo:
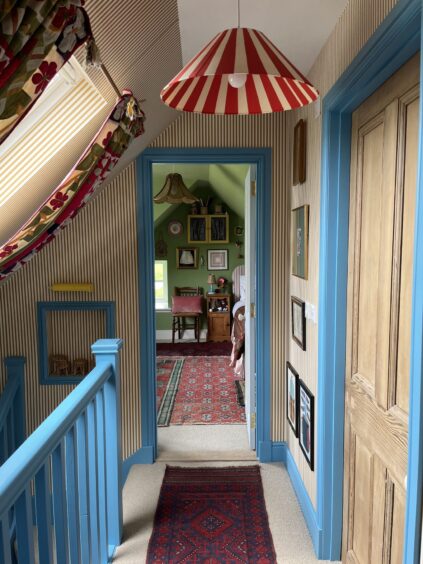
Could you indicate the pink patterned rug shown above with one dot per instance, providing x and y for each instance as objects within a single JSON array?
[{"x": 206, "y": 393}]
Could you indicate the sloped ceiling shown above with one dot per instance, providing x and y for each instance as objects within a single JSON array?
[
  {"x": 139, "y": 42},
  {"x": 226, "y": 180},
  {"x": 298, "y": 28},
  {"x": 144, "y": 43}
]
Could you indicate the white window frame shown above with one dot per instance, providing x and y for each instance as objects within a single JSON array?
[{"x": 162, "y": 304}]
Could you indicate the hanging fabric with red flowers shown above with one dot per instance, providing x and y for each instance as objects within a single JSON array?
[
  {"x": 125, "y": 122},
  {"x": 37, "y": 37}
]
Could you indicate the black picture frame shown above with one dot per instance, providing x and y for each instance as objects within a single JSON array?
[
  {"x": 306, "y": 423},
  {"x": 292, "y": 404},
  {"x": 298, "y": 334}
]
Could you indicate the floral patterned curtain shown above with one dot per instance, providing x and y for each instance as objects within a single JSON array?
[
  {"x": 125, "y": 122},
  {"x": 36, "y": 38}
]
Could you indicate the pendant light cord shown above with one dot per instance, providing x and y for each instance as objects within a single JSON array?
[{"x": 239, "y": 18}]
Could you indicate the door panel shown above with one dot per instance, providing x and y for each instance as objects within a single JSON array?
[
  {"x": 382, "y": 200},
  {"x": 410, "y": 113},
  {"x": 250, "y": 300}
]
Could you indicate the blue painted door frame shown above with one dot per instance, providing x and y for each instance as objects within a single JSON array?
[
  {"x": 261, "y": 157},
  {"x": 394, "y": 42}
]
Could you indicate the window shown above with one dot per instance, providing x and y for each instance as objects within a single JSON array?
[
  {"x": 160, "y": 284},
  {"x": 69, "y": 102}
]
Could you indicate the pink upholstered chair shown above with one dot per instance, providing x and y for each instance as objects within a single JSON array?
[{"x": 187, "y": 303}]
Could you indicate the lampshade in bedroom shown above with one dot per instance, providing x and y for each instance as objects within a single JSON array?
[{"x": 174, "y": 191}]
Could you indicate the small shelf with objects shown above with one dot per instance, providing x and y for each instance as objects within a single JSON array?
[
  {"x": 218, "y": 316},
  {"x": 205, "y": 227}
]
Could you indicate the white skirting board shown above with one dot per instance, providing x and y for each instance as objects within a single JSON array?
[{"x": 164, "y": 336}]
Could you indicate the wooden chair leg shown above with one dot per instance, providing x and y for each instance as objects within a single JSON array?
[
  {"x": 173, "y": 329},
  {"x": 180, "y": 326},
  {"x": 197, "y": 327}
]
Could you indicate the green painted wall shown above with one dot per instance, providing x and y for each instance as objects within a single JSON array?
[
  {"x": 228, "y": 181},
  {"x": 195, "y": 277}
]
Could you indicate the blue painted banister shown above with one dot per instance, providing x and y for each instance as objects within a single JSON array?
[
  {"x": 12, "y": 407},
  {"x": 77, "y": 452}
]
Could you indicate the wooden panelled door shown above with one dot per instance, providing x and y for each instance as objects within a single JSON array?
[{"x": 381, "y": 240}]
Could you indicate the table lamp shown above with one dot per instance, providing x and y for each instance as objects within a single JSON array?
[{"x": 211, "y": 281}]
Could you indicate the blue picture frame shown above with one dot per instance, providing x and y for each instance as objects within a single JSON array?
[{"x": 43, "y": 308}]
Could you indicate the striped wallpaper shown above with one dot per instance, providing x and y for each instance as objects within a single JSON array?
[
  {"x": 100, "y": 245},
  {"x": 354, "y": 28},
  {"x": 71, "y": 333}
]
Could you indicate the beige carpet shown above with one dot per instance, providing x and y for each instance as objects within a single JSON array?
[
  {"x": 189, "y": 443},
  {"x": 290, "y": 535}
]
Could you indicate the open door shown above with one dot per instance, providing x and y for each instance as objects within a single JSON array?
[{"x": 250, "y": 305}]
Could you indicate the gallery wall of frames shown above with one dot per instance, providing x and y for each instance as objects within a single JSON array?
[{"x": 299, "y": 398}]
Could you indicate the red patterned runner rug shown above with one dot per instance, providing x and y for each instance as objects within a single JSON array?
[
  {"x": 202, "y": 393},
  {"x": 213, "y": 516}
]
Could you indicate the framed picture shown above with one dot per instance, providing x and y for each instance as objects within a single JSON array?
[
  {"x": 292, "y": 383},
  {"x": 298, "y": 322},
  {"x": 300, "y": 151},
  {"x": 186, "y": 257},
  {"x": 217, "y": 260},
  {"x": 306, "y": 423},
  {"x": 239, "y": 231},
  {"x": 175, "y": 228},
  {"x": 299, "y": 241}
]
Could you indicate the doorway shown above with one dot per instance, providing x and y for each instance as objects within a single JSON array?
[
  {"x": 204, "y": 268},
  {"x": 259, "y": 160}
]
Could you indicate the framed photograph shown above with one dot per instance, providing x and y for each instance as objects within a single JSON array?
[
  {"x": 306, "y": 423},
  {"x": 186, "y": 257},
  {"x": 300, "y": 152},
  {"x": 292, "y": 383},
  {"x": 239, "y": 231},
  {"x": 298, "y": 322},
  {"x": 217, "y": 260},
  {"x": 299, "y": 241}
]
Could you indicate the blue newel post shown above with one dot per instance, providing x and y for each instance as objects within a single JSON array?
[{"x": 106, "y": 352}]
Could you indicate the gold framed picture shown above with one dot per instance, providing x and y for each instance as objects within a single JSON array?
[
  {"x": 186, "y": 257},
  {"x": 299, "y": 241}
]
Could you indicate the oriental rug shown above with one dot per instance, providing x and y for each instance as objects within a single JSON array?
[
  {"x": 168, "y": 375},
  {"x": 201, "y": 391},
  {"x": 211, "y": 515},
  {"x": 194, "y": 349}
]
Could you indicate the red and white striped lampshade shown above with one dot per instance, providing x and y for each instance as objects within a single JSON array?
[{"x": 239, "y": 72}]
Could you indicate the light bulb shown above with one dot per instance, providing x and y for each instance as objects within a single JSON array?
[{"x": 237, "y": 80}]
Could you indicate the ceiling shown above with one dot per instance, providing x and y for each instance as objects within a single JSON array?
[
  {"x": 298, "y": 28},
  {"x": 143, "y": 44}
]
